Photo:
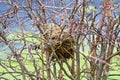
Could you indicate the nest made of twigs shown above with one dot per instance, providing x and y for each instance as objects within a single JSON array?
[{"x": 62, "y": 43}]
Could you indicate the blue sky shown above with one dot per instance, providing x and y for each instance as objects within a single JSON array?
[{"x": 95, "y": 2}]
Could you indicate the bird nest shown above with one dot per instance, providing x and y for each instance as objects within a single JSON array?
[{"x": 60, "y": 42}]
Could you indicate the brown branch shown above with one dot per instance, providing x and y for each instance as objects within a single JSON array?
[{"x": 113, "y": 55}]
